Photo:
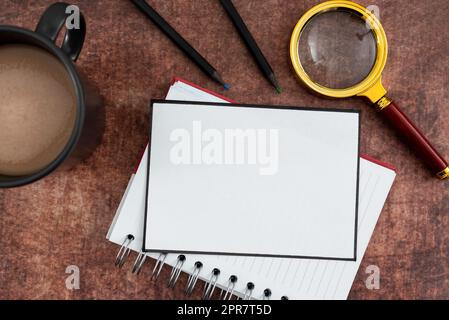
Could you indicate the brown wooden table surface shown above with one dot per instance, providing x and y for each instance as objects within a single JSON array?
[{"x": 63, "y": 220}]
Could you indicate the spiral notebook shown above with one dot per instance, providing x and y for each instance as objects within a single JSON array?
[{"x": 249, "y": 277}]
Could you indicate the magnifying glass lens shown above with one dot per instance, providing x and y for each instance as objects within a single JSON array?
[{"x": 337, "y": 49}]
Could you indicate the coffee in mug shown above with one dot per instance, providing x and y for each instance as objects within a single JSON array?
[
  {"x": 37, "y": 109},
  {"x": 51, "y": 116}
]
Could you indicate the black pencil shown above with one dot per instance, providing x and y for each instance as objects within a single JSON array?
[
  {"x": 251, "y": 43},
  {"x": 182, "y": 44}
]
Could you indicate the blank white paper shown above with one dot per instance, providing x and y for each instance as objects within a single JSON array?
[{"x": 306, "y": 206}]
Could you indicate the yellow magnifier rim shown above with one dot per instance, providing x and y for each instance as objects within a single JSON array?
[{"x": 371, "y": 86}]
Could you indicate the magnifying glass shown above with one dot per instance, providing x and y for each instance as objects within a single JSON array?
[{"x": 339, "y": 49}]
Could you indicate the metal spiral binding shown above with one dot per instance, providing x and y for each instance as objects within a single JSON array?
[
  {"x": 124, "y": 251},
  {"x": 230, "y": 289},
  {"x": 158, "y": 266},
  {"x": 193, "y": 278},
  {"x": 211, "y": 284},
  {"x": 266, "y": 294},
  {"x": 138, "y": 264},
  {"x": 247, "y": 295},
  {"x": 176, "y": 271}
]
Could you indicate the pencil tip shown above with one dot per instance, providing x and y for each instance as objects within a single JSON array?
[
  {"x": 275, "y": 83},
  {"x": 216, "y": 76},
  {"x": 279, "y": 90}
]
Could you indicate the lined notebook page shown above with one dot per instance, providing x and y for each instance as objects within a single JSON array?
[{"x": 297, "y": 279}]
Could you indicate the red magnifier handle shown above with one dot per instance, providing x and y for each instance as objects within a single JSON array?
[{"x": 414, "y": 137}]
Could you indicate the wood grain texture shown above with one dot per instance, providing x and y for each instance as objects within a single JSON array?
[{"x": 63, "y": 219}]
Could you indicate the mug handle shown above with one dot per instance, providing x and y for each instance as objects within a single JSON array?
[{"x": 51, "y": 23}]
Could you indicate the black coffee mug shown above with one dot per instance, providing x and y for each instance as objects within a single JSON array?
[{"x": 89, "y": 124}]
